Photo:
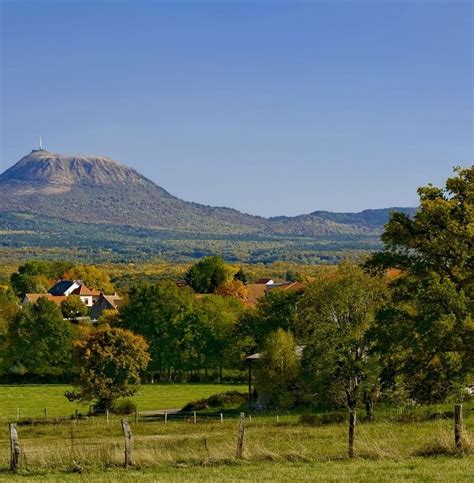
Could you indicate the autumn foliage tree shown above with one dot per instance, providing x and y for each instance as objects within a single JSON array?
[
  {"x": 110, "y": 363},
  {"x": 233, "y": 288}
]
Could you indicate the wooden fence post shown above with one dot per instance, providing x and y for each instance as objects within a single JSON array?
[
  {"x": 127, "y": 434},
  {"x": 166, "y": 417},
  {"x": 458, "y": 426},
  {"x": 17, "y": 414},
  {"x": 222, "y": 418},
  {"x": 240, "y": 438},
  {"x": 45, "y": 413},
  {"x": 14, "y": 447},
  {"x": 195, "y": 419},
  {"x": 107, "y": 416},
  {"x": 352, "y": 424},
  {"x": 77, "y": 416}
]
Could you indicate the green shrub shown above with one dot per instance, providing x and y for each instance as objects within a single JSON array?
[
  {"x": 125, "y": 406},
  {"x": 229, "y": 397},
  {"x": 216, "y": 401}
]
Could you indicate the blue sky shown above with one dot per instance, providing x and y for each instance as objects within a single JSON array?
[{"x": 269, "y": 107}]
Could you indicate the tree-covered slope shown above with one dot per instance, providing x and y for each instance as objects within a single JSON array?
[{"x": 96, "y": 189}]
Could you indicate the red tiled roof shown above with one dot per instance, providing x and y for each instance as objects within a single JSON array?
[
  {"x": 83, "y": 290},
  {"x": 255, "y": 291},
  {"x": 263, "y": 281},
  {"x": 286, "y": 286},
  {"x": 33, "y": 297}
]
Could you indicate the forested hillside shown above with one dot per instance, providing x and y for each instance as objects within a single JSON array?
[{"x": 52, "y": 201}]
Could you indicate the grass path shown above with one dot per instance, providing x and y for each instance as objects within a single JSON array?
[{"x": 33, "y": 399}]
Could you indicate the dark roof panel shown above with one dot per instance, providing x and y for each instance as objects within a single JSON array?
[{"x": 59, "y": 288}]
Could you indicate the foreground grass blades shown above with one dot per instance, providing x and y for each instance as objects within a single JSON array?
[
  {"x": 182, "y": 450},
  {"x": 412, "y": 469}
]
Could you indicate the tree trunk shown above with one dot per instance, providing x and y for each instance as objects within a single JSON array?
[
  {"x": 351, "y": 395},
  {"x": 369, "y": 406},
  {"x": 352, "y": 424}
]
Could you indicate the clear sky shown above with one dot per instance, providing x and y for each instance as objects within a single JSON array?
[{"x": 270, "y": 107}]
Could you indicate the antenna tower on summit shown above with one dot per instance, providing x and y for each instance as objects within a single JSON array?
[{"x": 40, "y": 144}]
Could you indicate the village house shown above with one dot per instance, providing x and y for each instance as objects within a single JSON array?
[
  {"x": 105, "y": 302},
  {"x": 262, "y": 287},
  {"x": 75, "y": 287},
  {"x": 95, "y": 300}
]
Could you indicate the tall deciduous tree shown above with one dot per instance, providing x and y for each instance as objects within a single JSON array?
[
  {"x": 277, "y": 310},
  {"x": 110, "y": 362},
  {"x": 335, "y": 317},
  {"x": 36, "y": 276},
  {"x": 92, "y": 276},
  {"x": 207, "y": 274},
  {"x": 277, "y": 370},
  {"x": 159, "y": 313},
  {"x": 9, "y": 307},
  {"x": 427, "y": 332},
  {"x": 41, "y": 341}
]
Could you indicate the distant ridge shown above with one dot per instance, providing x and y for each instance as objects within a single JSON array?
[{"x": 99, "y": 190}]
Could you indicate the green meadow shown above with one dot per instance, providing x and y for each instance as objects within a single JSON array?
[
  {"x": 401, "y": 445},
  {"x": 31, "y": 400}
]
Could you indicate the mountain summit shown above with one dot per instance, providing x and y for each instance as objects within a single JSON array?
[
  {"x": 98, "y": 190},
  {"x": 44, "y": 167}
]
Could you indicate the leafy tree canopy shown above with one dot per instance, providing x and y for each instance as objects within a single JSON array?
[
  {"x": 241, "y": 275},
  {"x": 277, "y": 370},
  {"x": 92, "y": 276},
  {"x": 110, "y": 361},
  {"x": 158, "y": 312},
  {"x": 275, "y": 311},
  {"x": 207, "y": 274},
  {"x": 335, "y": 317},
  {"x": 40, "y": 340},
  {"x": 427, "y": 332},
  {"x": 233, "y": 288},
  {"x": 73, "y": 307}
]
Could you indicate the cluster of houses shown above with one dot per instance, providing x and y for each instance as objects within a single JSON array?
[{"x": 95, "y": 300}]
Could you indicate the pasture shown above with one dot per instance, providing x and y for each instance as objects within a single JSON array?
[
  {"x": 398, "y": 446},
  {"x": 31, "y": 400}
]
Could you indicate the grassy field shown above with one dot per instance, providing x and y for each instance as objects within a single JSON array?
[
  {"x": 388, "y": 449},
  {"x": 33, "y": 399},
  {"x": 182, "y": 450}
]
